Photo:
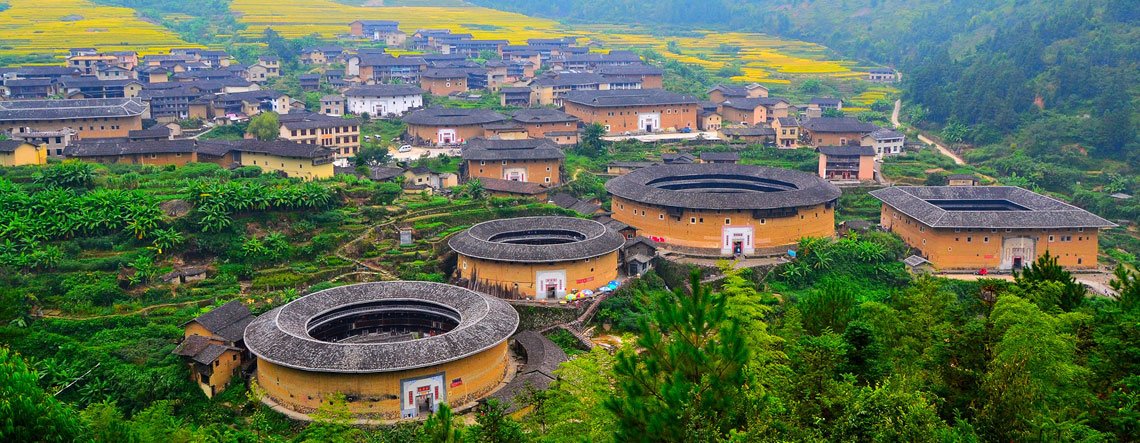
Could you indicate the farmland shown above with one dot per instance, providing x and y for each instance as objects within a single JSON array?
[
  {"x": 34, "y": 28},
  {"x": 762, "y": 58}
]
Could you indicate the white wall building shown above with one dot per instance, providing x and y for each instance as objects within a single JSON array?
[
  {"x": 885, "y": 142},
  {"x": 384, "y": 100}
]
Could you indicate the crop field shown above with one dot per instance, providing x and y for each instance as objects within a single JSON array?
[
  {"x": 762, "y": 58},
  {"x": 49, "y": 27}
]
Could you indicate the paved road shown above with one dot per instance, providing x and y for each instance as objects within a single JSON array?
[{"x": 421, "y": 152}]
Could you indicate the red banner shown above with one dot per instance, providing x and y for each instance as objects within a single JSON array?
[{"x": 456, "y": 382}]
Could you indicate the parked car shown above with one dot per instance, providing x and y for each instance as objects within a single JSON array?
[
  {"x": 368, "y": 138},
  {"x": 405, "y": 148},
  {"x": 686, "y": 130},
  {"x": 982, "y": 271}
]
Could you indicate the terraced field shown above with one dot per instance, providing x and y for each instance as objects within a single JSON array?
[
  {"x": 762, "y": 58},
  {"x": 50, "y": 27}
]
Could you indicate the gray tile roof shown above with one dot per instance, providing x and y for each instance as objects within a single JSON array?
[
  {"x": 862, "y": 151},
  {"x": 788, "y": 121},
  {"x": 543, "y": 115},
  {"x": 11, "y": 145},
  {"x": 569, "y": 79},
  {"x": 634, "y": 69},
  {"x": 226, "y": 321},
  {"x": 96, "y": 148},
  {"x": 1039, "y": 211},
  {"x": 436, "y": 116},
  {"x": 720, "y": 156},
  {"x": 511, "y": 186},
  {"x": 70, "y": 109},
  {"x": 281, "y": 336},
  {"x": 885, "y": 134},
  {"x": 743, "y": 187},
  {"x": 383, "y": 91},
  {"x": 445, "y": 73},
  {"x": 483, "y": 240},
  {"x": 284, "y": 149},
  {"x": 838, "y": 124},
  {"x": 628, "y": 97},
  {"x": 525, "y": 149},
  {"x": 752, "y": 103}
]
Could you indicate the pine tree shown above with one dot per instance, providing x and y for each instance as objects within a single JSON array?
[
  {"x": 1046, "y": 269},
  {"x": 684, "y": 383}
]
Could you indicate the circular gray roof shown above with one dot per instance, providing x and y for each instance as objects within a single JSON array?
[
  {"x": 537, "y": 239},
  {"x": 281, "y": 336},
  {"x": 722, "y": 186}
]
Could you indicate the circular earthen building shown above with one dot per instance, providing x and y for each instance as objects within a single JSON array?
[
  {"x": 394, "y": 349},
  {"x": 537, "y": 257},
  {"x": 724, "y": 209}
]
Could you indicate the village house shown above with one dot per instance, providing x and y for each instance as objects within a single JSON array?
[
  {"x": 93, "y": 87},
  {"x": 30, "y": 88},
  {"x": 961, "y": 180},
  {"x": 547, "y": 123},
  {"x": 882, "y": 75},
  {"x": 594, "y": 61},
  {"x": 552, "y": 88},
  {"x": 332, "y": 105},
  {"x": 423, "y": 176},
  {"x": 508, "y": 130},
  {"x": 720, "y": 93},
  {"x": 53, "y": 142},
  {"x": 885, "y": 141},
  {"x": 528, "y": 160},
  {"x": 448, "y": 127},
  {"x": 20, "y": 153},
  {"x": 86, "y": 64},
  {"x": 157, "y": 153},
  {"x": 648, "y": 110},
  {"x": 383, "y": 100},
  {"x": 90, "y": 118},
  {"x": 622, "y": 168},
  {"x": 787, "y": 131},
  {"x": 845, "y": 163},
  {"x": 650, "y": 77},
  {"x": 753, "y": 111},
  {"x": 990, "y": 227},
  {"x": 444, "y": 81},
  {"x": 835, "y": 131},
  {"x": 114, "y": 72},
  {"x": 520, "y": 96},
  {"x": 341, "y": 135},
  {"x": 678, "y": 158},
  {"x": 249, "y": 103},
  {"x": 497, "y": 187},
  {"x": 826, "y": 103},
  {"x": 152, "y": 74},
  {"x": 161, "y": 131},
  {"x": 709, "y": 120},
  {"x": 309, "y": 82},
  {"x": 379, "y": 30},
  {"x": 213, "y": 345},
  {"x": 322, "y": 55},
  {"x": 384, "y": 68},
  {"x": 306, "y": 161}
]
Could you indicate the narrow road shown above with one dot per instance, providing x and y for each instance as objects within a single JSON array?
[{"x": 895, "y": 114}]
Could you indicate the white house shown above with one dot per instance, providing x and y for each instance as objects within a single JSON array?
[
  {"x": 885, "y": 141},
  {"x": 383, "y": 100}
]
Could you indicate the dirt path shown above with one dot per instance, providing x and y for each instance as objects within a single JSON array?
[
  {"x": 895, "y": 114},
  {"x": 957, "y": 160}
]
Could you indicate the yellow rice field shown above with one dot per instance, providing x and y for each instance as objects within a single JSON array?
[
  {"x": 763, "y": 58},
  {"x": 51, "y": 27}
]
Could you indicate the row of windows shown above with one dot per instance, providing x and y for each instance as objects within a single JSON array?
[{"x": 659, "y": 111}]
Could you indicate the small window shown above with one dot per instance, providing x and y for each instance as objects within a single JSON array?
[
  {"x": 693, "y": 220},
  {"x": 661, "y": 216},
  {"x": 728, "y": 221},
  {"x": 985, "y": 239},
  {"x": 969, "y": 239},
  {"x": 1050, "y": 238}
]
